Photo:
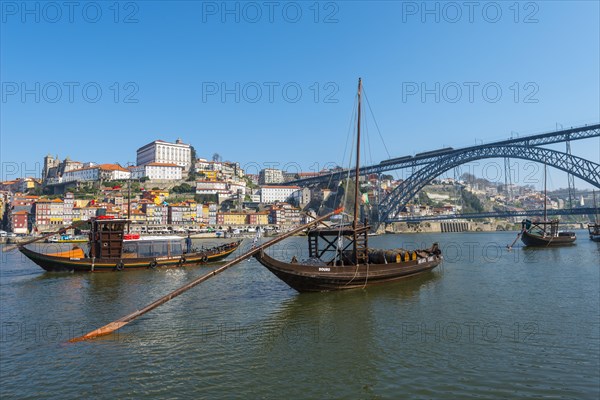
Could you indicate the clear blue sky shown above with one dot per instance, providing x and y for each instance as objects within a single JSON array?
[{"x": 174, "y": 59}]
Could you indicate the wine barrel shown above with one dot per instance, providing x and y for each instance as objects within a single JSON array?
[{"x": 379, "y": 256}]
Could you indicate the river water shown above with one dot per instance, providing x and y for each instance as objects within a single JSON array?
[{"x": 488, "y": 323}]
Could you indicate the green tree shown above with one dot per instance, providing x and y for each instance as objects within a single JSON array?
[
  {"x": 206, "y": 198},
  {"x": 471, "y": 203},
  {"x": 183, "y": 188}
]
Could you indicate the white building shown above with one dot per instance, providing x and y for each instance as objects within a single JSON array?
[
  {"x": 158, "y": 171},
  {"x": 271, "y": 194},
  {"x": 163, "y": 152},
  {"x": 210, "y": 187},
  {"x": 269, "y": 176},
  {"x": 105, "y": 172}
]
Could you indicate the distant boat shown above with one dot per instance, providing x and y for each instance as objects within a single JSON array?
[
  {"x": 545, "y": 233},
  {"x": 340, "y": 257},
  {"x": 68, "y": 239},
  {"x": 594, "y": 229},
  {"x": 110, "y": 249}
]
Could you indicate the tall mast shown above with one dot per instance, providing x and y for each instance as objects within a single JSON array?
[
  {"x": 545, "y": 196},
  {"x": 357, "y": 170},
  {"x": 595, "y": 205},
  {"x": 128, "y": 203}
]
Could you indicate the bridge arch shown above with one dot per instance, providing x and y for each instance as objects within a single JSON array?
[{"x": 585, "y": 170}]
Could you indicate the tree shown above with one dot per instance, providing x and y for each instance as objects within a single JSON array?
[
  {"x": 216, "y": 157},
  {"x": 183, "y": 188},
  {"x": 471, "y": 203},
  {"x": 206, "y": 198}
]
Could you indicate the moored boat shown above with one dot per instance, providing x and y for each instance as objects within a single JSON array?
[
  {"x": 110, "y": 249},
  {"x": 340, "y": 257},
  {"x": 594, "y": 228},
  {"x": 545, "y": 233},
  {"x": 594, "y": 231}
]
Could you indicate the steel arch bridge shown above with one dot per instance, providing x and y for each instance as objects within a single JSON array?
[
  {"x": 560, "y": 136},
  {"x": 429, "y": 165},
  {"x": 583, "y": 169}
]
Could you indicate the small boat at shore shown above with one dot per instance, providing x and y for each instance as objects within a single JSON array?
[
  {"x": 594, "y": 228},
  {"x": 110, "y": 249},
  {"x": 67, "y": 239},
  {"x": 340, "y": 257},
  {"x": 594, "y": 231}
]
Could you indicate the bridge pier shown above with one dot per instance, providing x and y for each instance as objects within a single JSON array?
[{"x": 454, "y": 226}]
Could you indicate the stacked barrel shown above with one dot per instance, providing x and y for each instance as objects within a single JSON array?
[{"x": 393, "y": 256}]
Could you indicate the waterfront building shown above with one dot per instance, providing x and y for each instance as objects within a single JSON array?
[
  {"x": 202, "y": 214},
  {"x": 19, "y": 202},
  {"x": 179, "y": 214},
  {"x": 156, "y": 214},
  {"x": 20, "y": 222},
  {"x": 162, "y": 152},
  {"x": 271, "y": 194},
  {"x": 232, "y": 218},
  {"x": 84, "y": 213},
  {"x": 284, "y": 214},
  {"x": 212, "y": 213},
  {"x": 269, "y": 176},
  {"x": 158, "y": 171},
  {"x": 41, "y": 214},
  {"x": 258, "y": 218},
  {"x": 68, "y": 205},
  {"x": 137, "y": 216}
]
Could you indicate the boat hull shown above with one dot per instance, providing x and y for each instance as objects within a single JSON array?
[
  {"x": 595, "y": 238},
  {"x": 83, "y": 264},
  {"x": 547, "y": 241},
  {"x": 311, "y": 278}
]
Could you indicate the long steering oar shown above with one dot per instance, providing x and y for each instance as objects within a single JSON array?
[
  {"x": 113, "y": 326},
  {"x": 60, "y": 231}
]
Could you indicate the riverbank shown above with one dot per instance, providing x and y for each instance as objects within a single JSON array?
[{"x": 462, "y": 226}]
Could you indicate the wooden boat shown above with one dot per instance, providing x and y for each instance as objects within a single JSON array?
[
  {"x": 545, "y": 233},
  {"x": 594, "y": 228},
  {"x": 594, "y": 231},
  {"x": 110, "y": 249},
  {"x": 340, "y": 257}
]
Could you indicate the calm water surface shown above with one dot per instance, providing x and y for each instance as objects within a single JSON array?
[{"x": 488, "y": 324}]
